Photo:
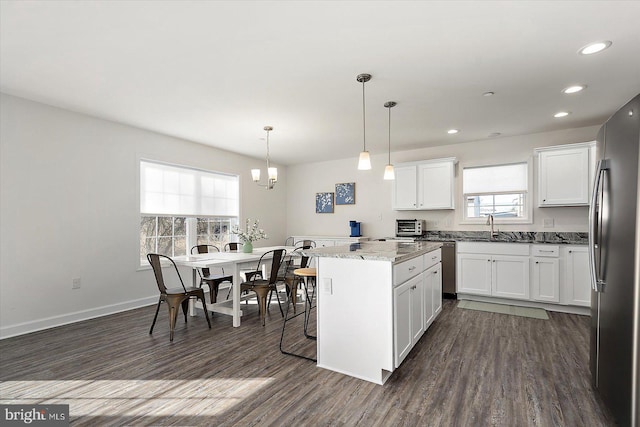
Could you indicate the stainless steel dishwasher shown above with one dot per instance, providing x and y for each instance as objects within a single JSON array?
[{"x": 449, "y": 270}]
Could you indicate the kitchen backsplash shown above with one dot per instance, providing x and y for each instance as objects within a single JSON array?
[{"x": 573, "y": 238}]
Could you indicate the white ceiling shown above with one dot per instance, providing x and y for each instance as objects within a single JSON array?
[{"x": 218, "y": 72}]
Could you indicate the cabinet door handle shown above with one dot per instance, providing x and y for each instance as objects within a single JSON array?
[
  {"x": 545, "y": 251},
  {"x": 434, "y": 257},
  {"x": 570, "y": 251},
  {"x": 435, "y": 272},
  {"x": 537, "y": 262},
  {"x": 412, "y": 268}
]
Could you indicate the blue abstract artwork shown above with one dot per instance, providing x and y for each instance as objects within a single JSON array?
[
  {"x": 324, "y": 202},
  {"x": 346, "y": 193}
]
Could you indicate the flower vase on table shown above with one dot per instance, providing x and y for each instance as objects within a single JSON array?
[{"x": 249, "y": 235}]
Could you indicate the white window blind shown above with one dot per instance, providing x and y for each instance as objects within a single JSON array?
[
  {"x": 174, "y": 190},
  {"x": 495, "y": 179}
]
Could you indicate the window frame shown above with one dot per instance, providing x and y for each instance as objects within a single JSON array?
[
  {"x": 527, "y": 195},
  {"x": 191, "y": 221}
]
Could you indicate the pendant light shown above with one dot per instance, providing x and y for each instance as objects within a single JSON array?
[
  {"x": 364, "y": 162},
  {"x": 272, "y": 173},
  {"x": 389, "y": 173}
]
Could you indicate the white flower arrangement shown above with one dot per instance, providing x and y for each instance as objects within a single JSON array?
[{"x": 252, "y": 233}]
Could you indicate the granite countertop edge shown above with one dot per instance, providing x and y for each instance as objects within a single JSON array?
[
  {"x": 552, "y": 238},
  {"x": 394, "y": 252}
]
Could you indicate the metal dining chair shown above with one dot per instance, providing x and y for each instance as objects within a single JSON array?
[
  {"x": 263, "y": 286},
  {"x": 174, "y": 297},
  {"x": 206, "y": 276}
]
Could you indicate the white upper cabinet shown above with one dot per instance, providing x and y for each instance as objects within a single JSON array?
[
  {"x": 564, "y": 174},
  {"x": 405, "y": 187},
  {"x": 426, "y": 185}
]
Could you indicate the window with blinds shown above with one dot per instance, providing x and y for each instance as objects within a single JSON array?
[
  {"x": 181, "y": 207},
  {"x": 498, "y": 190}
]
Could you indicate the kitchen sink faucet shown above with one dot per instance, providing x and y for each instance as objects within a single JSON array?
[{"x": 490, "y": 224}]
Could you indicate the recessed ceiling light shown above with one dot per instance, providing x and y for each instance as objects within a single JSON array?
[
  {"x": 561, "y": 114},
  {"x": 488, "y": 94},
  {"x": 452, "y": 131},
  {"x": 574, "y": 89},
  {"x": 596, "y": 47}
]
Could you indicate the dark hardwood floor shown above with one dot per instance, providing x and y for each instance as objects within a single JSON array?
[{"x": 471, "y": 368}]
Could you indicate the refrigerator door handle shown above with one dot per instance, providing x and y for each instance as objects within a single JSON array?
[{"x": 597, "y": 283}]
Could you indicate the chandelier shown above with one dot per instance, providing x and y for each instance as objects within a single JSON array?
[{"x": 272, "y": 173}]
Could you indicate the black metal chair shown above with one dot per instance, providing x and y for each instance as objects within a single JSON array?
[
  {"x": 261, "y": 286},
  {"x": 174, "y": 297},
  {"x": 231, "y": 246},
  {"x": 292, "y": 281},
  {"x": 212, "y": 280}
]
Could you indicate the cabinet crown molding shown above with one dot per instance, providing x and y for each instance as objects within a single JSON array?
[
  {"x": 565, "y": 146},
  {"x": 421, "y": 162}
]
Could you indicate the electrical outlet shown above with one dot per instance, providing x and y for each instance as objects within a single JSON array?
[
  {"x": 548, "y": 223},
  {"x": 76, "y": 283},
  {"x": 327, "y": 287}
]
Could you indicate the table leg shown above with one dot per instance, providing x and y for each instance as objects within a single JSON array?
[
  {"x": 236, "y": 295},
  {"x": 194, "y": 282}
]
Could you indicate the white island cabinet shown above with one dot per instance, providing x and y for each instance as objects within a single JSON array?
[{"x": 371, "y": 305}]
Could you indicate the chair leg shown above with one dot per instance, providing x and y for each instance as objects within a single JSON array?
[
  {"x": 213, "y": 291},
  {"x": 204, "y": 305},
  {"x": 185, "y": 308},
  {"x": 156, "y": 316},
  {"x": 262, "y": 293},
  {"x": 173, "y": 302},
  {"x": 278, "y": 298}
]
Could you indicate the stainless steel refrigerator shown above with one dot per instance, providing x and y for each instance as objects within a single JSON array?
[{"x": 614, "y": 249}]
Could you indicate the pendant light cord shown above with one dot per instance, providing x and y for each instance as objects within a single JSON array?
[
  {"x": 364, "y": 126},
  {"x": 267, "y": 151},
  {"x": 389, "y": 162}
]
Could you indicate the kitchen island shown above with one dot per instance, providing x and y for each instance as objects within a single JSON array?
[{"x": 375, "y": 301}]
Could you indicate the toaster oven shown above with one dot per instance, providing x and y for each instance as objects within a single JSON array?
[{"x": 409, "y": 227}]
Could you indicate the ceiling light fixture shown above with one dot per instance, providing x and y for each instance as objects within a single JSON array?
[
  {"x": 364, "y": 161},
  {"x": 561, "y": 114},
  {"x": 595, "y": 47},
  {"x": 389, "y": 173},
  {"x": 574, "y": 89},
  {"x": 452, "y": 131},
  {"x": 272, "y": 173},
  {"x": 488, "y": 94}
]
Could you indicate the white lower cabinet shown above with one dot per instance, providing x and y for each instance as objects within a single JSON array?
[
  {"x": 417, "y": 296},
  {"x": 482, "y": 270},
  {"x": 541, "y": 273},
  {"x": 510, "y": 276},
  {"x": 408, "y": 316},
  {"x": 432, "y": 293},
  {"x": 545, "y": 279},
  {"x": 577, "y": 282}
]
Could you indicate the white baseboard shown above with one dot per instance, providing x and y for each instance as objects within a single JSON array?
[
  {"x": 571, "y": 309},
  {"x": 78, "y": 316}
]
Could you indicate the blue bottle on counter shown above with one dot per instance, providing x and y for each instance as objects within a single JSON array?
[{"x": 355, "y": 228}]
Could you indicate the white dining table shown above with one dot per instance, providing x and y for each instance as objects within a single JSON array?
[{"x": 237, "y": 261}]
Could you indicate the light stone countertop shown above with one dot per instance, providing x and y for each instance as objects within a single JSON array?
[{"x": 376, "y": 250}]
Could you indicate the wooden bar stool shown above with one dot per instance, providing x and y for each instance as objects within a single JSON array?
[{"x": 305, "y": 274}]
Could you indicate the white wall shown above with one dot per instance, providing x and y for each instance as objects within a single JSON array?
[
  {"x": 69, "y": 207},
  {"x": 373, "y": 194}
]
